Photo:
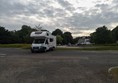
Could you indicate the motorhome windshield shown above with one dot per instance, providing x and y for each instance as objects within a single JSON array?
[{"x": 39, "y": 41}]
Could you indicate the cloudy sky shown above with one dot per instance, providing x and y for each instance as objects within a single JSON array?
[{"x": 81, "y": 17}]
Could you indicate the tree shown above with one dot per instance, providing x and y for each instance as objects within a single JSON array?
[
  {"x": 59, "y": 39},
  {"x": 67, "y": 38},
  {"x": 5, "y": 36},
  {"x": 57, "y": 32},
  {"x": 14, "y": 37},
  {"x": 75, "y": 40},
  {"x": 93, "y": 37},
  {"x": 101, "y": 36},
  {"x": 24, "y": 34},
  {"x": 20, "y": 36},
  {"x": 115, "y": 34}
]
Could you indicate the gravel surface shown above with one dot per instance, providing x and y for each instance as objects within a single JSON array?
[{"x": 22, "y": 66}]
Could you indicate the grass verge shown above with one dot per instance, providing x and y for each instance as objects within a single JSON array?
[
  {"x": 92, "y": 47},
  {"x": 96, "y": 48},
  {"x": 114, "y": 73},
  {"x": 26, "y": 46}
]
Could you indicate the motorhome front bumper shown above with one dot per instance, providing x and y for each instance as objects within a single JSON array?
[{"x": 38, "y": 49}]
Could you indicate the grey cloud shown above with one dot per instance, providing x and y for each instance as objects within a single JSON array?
[
  {"x": 81, "y": 8},
  {"x": 54, "y": 12},
  {"x": 77, "y": 20},
  {"x": 91, "y": 19},
  {"x": 8, "y": 9},
  {"x": 18, "y": 8},
  {"x": 66, "y": 5},
  {"x": 49, "y": 12},
  {"x": 86, "y": 21},
  {"x": 115, "y": 1},
  {"x": 108, "y": 13},
  {"x": 60, "y": 12},
  {"x": 101, "y": 5}
]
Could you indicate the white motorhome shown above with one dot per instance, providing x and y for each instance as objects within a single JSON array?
[
  {"x": 43, "y": 41},
  {"x": 85, "y": 40}
]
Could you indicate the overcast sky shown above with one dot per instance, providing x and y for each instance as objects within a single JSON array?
[{"x": 81, "y": 17}]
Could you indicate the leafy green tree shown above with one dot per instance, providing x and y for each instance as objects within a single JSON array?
[
  {"x": 93, "y": 37},
  {"x": 57, "y": 32},
  {"x": 115, "y": 34},
  {"x": 75, "y": 40},
  {"x": 24, "y": 34},
  {"x": 13, "y": 37},
  {"x": 101, "y": 36},
  {"x": 59, "y": 39},
  {"x": 5, "y": 36},
  {"x": 20, "y": 36},
  {"x": 67, "y": 38}
]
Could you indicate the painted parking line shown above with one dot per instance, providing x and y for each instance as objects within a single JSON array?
[{"x": 3, "y": 55}]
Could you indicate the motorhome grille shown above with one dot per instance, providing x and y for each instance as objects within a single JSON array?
[
  {"x": 38, "y": 32},
  {"x": 35, "y": 47}
]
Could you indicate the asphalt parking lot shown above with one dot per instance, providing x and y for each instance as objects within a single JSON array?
[{"x": 59, "y": 66}]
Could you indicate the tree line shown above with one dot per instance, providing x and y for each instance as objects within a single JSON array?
[
  {"x": 104, "y": 36},
  {"x": 23, "y": 36},
  {"x": 101, "y": 36},
  {"x": 63, "y": 38},
  {"x": 20, "y": 36}
]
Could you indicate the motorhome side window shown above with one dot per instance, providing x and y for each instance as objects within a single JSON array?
[
  {"x": 51, "y": 40},
  {"x": 38, "y": 41},
  {"x": 46, "y": 41},
  {"x": 47, "y": 34}
]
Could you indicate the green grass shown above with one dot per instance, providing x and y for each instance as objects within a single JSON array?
[
  {"x": 15, "y": 46},
  {"x": 114, "y": 73},
  {"x": 90, "y": 47}
]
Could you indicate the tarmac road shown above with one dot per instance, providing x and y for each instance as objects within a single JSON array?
[{"x": 69, "y": 66}]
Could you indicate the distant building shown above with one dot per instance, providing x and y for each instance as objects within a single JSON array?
[{"x": 85, "y": 40}]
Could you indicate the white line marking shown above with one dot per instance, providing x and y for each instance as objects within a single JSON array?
[{"x": 3, "y": 54}]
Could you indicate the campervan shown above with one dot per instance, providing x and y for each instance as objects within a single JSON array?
[{"x": 43, "y": 41}]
